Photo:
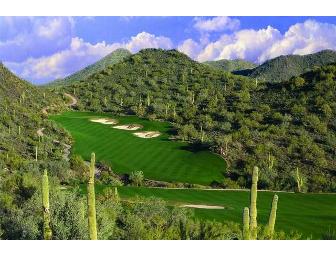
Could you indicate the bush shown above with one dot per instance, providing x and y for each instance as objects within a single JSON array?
[{"x": 136, "y": 178}]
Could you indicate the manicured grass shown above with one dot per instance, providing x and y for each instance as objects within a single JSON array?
[
  {"x": 310, "y": 214},
  {"x": 159, "y": 158}
]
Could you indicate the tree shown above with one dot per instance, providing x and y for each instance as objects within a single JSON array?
[{"x": 297, "y": 82}]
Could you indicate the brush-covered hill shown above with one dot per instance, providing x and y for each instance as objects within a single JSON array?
[
  {"x": 283, "y": 68},
  {"x": 21, "y": 107},
  {"x": 21, "y": 208},
  {"x": 112, "y": 58},
  {"x": 279, "y": 127},
  {"x": 231, "y": 65}
]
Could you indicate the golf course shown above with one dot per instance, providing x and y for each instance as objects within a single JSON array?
[
  {"x": 158, "y": 157},
  {"x": 309, "y": 214},
  {"x": 161, "y": 158}
]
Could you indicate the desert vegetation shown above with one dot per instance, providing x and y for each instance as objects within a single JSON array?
[
  {"x": 195, "y": 177},
  {"x": 248, "y": 122}
]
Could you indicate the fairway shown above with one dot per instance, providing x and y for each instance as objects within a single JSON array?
[
  {"x": 310, "y": 214},
  {"x": 159, "y": 158}
]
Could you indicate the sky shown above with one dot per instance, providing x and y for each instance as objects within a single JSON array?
[{"x": 41, "y": 49}]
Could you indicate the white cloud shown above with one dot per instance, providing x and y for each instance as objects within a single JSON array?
[
  {"x": 216, "y": 24},
  {"x": 25, "y": 37},
  {"x": 42, "y": 49},
  {"x": 63, "y": 63},
  {"x": 79, "y": 55},
  {"x": 263, "y": 44},
  {"x": 303, "y": 38},
  {"x": 145, "y": 40},
  {"x": 246, "y": 44},
  {"x": 190, "y": 47}
]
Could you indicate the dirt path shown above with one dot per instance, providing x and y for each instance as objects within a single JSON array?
[
  {"x": 73, "y": 99},
  {"x": 71, "y": 104}
]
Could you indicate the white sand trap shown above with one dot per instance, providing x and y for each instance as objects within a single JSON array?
[
  {"x": 105, "y": 121},
  {"x": 128, "y": 127},
  {"x": 203, "y": 206},
  {"x": 147, "y": 134}
]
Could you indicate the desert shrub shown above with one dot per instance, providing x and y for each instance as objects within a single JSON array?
[{"x": 136, "y": 178}]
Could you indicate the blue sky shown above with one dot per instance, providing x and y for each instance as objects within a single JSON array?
[{"x": 41, "y": 49}]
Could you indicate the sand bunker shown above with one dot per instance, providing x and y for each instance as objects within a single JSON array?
[
  {"x": 106, "y": 121},
  {"x": 203, "y": 206},
  {"x": 147, "y": 134},
  {"x": 128, "y": 127}
]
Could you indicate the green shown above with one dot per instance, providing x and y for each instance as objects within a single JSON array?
[{"x": 159, "y": 158}]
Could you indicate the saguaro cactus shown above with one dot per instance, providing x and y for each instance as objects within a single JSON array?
[
  {"x": 91, "y": 200},
  {"x": 299, "y": 180},
  {"x": 272, "y": 217},
  {"x": 270, "y": 161},
  {"x": 148, "y": 100},
  {"x": 202, "y": 134},
  {"x": 166, "y": 111},
  {"x": 253, "y": 205},
  {"x": 116, "y": 195},
  {"x": 246, "y": 223},
  {"x": 47, "y": 233}
]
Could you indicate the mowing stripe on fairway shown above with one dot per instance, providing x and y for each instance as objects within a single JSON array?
[{"x": 159, "y": 158}]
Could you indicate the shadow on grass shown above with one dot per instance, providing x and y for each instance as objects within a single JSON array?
[{"x": 195, "y": 147}]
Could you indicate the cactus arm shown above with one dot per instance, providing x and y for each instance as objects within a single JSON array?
[
  {"x": 272, "y": 217},
  {"x": 36, "y": 153},
  {"x": 116, "y": 195},
  {"x": 246, "y": 223}
]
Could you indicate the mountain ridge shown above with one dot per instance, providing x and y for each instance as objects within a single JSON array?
[
  {"x": 112, "y": 58},
  {"x": 231, "y": 65},
  {"x": 284, "y": 67}
]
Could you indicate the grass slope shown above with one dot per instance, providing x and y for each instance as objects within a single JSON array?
[
  {"x": 159, "y": 158},
  {"x": 310, "y": 214}
]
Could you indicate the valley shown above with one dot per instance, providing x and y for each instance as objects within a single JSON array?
[{"x": 175, "y": 142}]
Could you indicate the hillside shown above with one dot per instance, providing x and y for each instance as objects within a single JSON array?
[
  {"x": 112, "y": 58},
  {"x": 29, "y": 143},
  {"x": 268, "y": 125},
  {"x": 284, "y": 67},
  {"x": 21, "y": 107},
  {"x": 231, "y": 65}
]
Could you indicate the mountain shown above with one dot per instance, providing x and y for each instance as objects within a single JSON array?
[
  {"x": 277, "y": 126},
  {"x": 112, "y": 58},
  {"x": 231, "y": 65},
  {"x": 282, "y": 68}
]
